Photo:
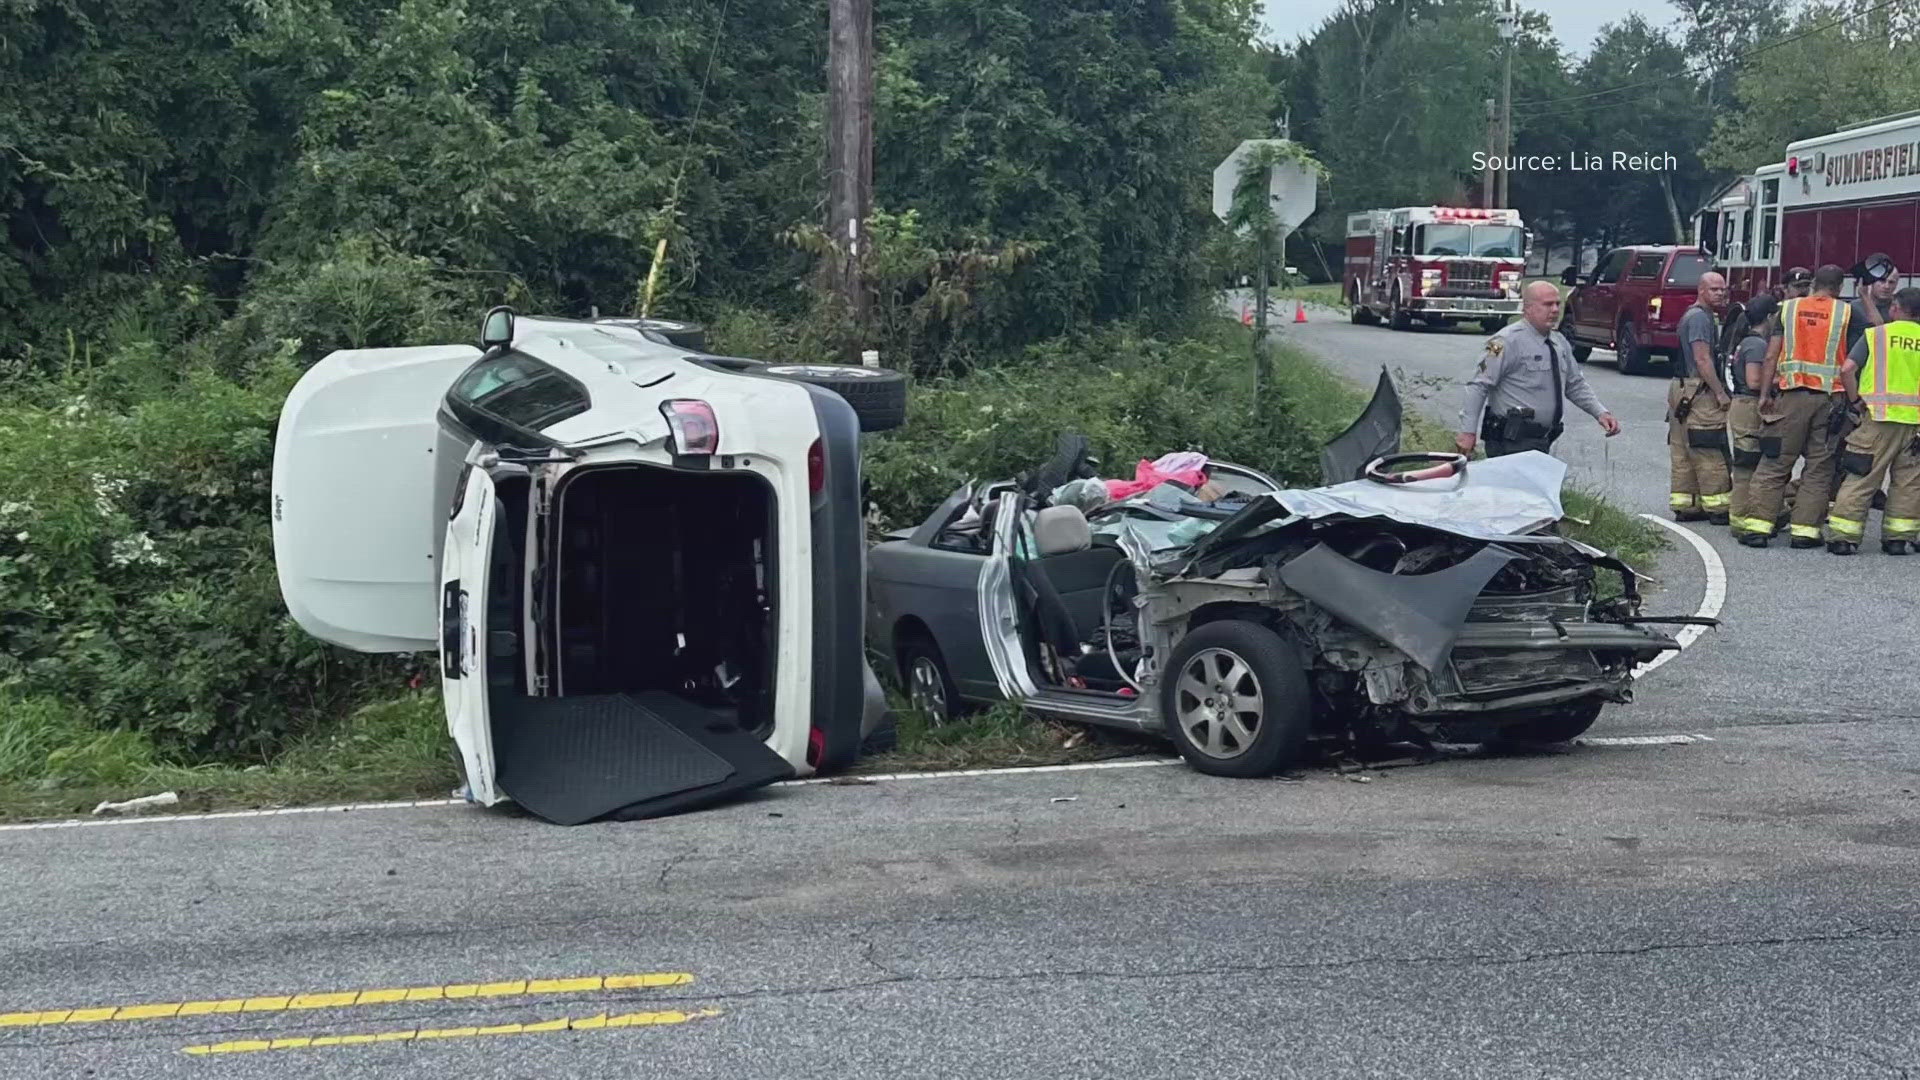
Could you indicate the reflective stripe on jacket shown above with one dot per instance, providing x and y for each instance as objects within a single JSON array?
[
  {"x": 1890, "y": 383},
  {"x": 1814, "y": 332}
]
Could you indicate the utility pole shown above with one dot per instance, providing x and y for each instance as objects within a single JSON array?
[
  {"x": 850, "y": 152},
  {"x": 1509, "y": 25},
  {"x": 1493, "y": 149}
]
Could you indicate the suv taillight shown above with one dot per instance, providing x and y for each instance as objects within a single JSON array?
[
  {"x": 695, "y": 431},
  {"x": 816, "y": 466}
]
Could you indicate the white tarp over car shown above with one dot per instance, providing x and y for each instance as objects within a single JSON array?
[{"x": 1496, "y": 498}]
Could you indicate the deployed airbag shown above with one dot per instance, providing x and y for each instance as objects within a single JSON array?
[{"x": 1419, "y": 614}]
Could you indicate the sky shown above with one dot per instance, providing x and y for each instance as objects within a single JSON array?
[{"x": 1575, "y": 22}]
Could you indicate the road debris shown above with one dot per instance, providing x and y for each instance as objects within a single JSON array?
[
  {"x": 1066, "y": 798},
  {"x": 139, "y": 805}
]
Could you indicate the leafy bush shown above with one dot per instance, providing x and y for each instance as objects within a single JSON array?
[
  {"x": 1133, "y": 396},
  {"x": 136, "y": 574},
  {"x": 359, "y": 294}
]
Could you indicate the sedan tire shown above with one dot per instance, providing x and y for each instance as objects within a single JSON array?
[
  {"x": 929, "y": 686},
  {"x": 1561, "y": 724},
  {"x": 1236, "y": 700}
]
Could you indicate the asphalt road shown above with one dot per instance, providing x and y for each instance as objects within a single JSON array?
[{"x": 1737, "y": 906}]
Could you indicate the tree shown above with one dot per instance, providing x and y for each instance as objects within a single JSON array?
[{"x": 1830, "y": 70}]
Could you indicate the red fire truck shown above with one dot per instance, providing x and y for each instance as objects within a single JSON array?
[
  {"x": 1438, "y": 264},
  {"x": 1836, "y": 198}
]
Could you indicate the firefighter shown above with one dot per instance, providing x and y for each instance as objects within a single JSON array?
[
  {"x": 1745, "y": 363},
  {"x": 1796, "y": 284},
  {"x": 1797, "y": 390},
  {"x": 1517, "y": 396},
  {"x": 1882, "y": 374},
  {"x": 1697, "y": 404}
]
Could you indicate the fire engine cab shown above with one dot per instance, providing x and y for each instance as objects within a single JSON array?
[
  {"x": 1836, "y": 198},
  {"x": 1438, "y": 264}
]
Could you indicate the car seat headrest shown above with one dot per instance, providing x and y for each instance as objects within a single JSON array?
[{"x": 1058, "y": 530}]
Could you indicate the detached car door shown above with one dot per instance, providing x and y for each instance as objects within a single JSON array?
[{"x": 363, "y": 476}]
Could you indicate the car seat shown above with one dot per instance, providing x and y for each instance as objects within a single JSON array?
[{"x": 1068, "y": 584}]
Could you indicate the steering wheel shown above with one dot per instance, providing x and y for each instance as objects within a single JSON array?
[{"x": 1406, "y": 468}]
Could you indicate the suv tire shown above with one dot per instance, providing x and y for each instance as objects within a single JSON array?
[
  {"x": 1243, "y": 661},
  {"x": 878, "y": 396},
  {"x": 681, "y": 335}
]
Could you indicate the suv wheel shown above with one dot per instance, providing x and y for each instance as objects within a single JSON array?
[
  {"x": 1633, "y": 357},
  {"x": 681, "y": 335},
  {"x": 878, "y": 396},
  {"x": 1236, "y": 701}
]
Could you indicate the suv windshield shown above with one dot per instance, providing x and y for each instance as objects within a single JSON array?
[
  {"x": 1486, "y": 241},
  {"x": 519, "y": 392},
  {"x": 1686, "y": 270}
]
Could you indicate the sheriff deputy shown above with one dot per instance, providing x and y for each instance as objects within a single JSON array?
[{"x": 1518, "y": 395}]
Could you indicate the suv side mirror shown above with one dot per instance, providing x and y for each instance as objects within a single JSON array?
[
  {"x": 497, "y": 328},
  {"x": 1571, "y": 275}
]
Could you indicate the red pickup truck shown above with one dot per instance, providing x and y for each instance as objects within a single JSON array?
[{"x": 1632, "y": 303}]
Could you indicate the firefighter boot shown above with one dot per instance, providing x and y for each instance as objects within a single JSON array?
[
  {"x": 1842, "y": 547},
  {"x": 1803, "y": 543},
  {"x": 1896, "y": 547}
]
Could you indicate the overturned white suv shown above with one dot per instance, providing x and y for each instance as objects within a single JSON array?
[{"x": 642, "y": 565}]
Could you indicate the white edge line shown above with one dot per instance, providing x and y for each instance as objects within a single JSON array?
[
  {"x": 856, "y": 779},
  {"x": 1716, "y": 593},
  {"x": 841, "y": 779}
]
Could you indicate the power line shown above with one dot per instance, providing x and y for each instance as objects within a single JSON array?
[{"x": 1789, "y": 39}]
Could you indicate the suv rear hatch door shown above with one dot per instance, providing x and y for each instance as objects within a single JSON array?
[{"x": 363, "y": 475}]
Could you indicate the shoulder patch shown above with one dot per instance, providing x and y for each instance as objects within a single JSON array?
[{"x": 1495, "y": 346}]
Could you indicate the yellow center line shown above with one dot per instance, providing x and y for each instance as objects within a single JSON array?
[
  {"x": 584, "y": 1023},
  {"x": 342, "y": 999}
]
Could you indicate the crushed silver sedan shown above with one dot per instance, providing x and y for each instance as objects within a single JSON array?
[{"x": 1432, "y": 597}]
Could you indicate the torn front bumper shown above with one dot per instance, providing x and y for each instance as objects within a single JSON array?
[{"x": 1503, "y": 666}]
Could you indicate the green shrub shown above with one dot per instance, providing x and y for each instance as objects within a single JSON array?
[
  {"x": 1133, "y": 396},
  {"x": 44, "y": 738},
  {"x": 137, "y": 583},
  {"x": 359, "y": 295}
]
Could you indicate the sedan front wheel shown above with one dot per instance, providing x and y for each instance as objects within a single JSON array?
[{"x": 1235, "y": 701}]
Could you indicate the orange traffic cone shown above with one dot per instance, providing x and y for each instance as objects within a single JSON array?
[{"x": 1299, "y": 311}]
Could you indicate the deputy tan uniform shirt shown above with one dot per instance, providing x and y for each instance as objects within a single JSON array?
[{"x": 1514, "y": 372}]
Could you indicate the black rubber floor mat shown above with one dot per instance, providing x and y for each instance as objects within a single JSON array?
[{"x": 573, "y": 759}]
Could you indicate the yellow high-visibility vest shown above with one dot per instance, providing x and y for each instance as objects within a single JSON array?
[
  {"x": 1814, "y": 333},
  {"x": 1890, "y": 383}
]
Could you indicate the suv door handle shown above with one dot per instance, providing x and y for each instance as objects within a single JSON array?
[{"x": 452, "y": 630}]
